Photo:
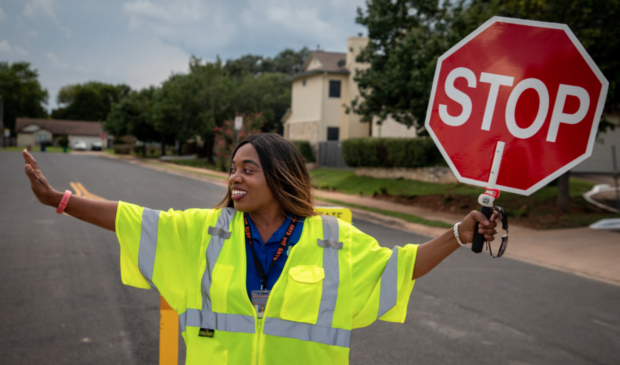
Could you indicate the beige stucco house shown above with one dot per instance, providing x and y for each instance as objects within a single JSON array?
[{"x": 319, "y": 96}]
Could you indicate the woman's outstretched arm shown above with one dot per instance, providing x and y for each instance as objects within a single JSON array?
[
  {"x": 98, "y": 212},
  {"x": 431, "y": 253}
]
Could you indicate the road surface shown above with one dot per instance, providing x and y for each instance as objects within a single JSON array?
[{"x": 62, "y": 301}]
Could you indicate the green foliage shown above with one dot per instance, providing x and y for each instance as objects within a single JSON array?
[
  {"x": 305, "y": 149},
  {"x": 391, "y": 152},
  {"x": 288, "y": 62},
  {"x": 89, "y": 101},
  {"x": 21, "y": 92},
  {"x": 226, "y": 137},
  {"x": 133, "y": 115},
  {"x": 408, "y": 36},
  {"x": 63, "y": 141}
]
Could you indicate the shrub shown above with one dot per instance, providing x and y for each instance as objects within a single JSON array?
[
  {"x": 391, "y": 152},
  {"x": 225, "y": 137},
  {"x": 63, "y": 141},
  {"x": 305, "y": 149}
]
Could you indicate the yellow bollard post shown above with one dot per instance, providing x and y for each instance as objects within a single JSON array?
[
  {"x": 168, "y": 334},
  {"x": 169, "y": 320}
]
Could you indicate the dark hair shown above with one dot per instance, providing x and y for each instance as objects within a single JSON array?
[{"x": 285, "y": 172}]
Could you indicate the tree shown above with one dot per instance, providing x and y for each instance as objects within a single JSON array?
[
  {"x": 408, "y": 36},
  {"x": 133, "y": 115},
  {"x": 21, "y": 92},
  {"x": 91, "y": 101},
  {"x": 287, "y": 62},
  {"x": 268, "y": 94}
]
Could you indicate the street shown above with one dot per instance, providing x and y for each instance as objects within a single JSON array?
[{"x": 62, "y": 300}]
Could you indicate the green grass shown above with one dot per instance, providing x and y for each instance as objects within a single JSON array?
[
  {"x": 35, "y": 149},
  {"x": 346, "y": 181},
  {"x": 109, "y": 151},
  {"x": 538, "y": 210},
  {"x": 201, "y": 163},
  {"x": 407, "y": 217},
  {"x": 182, "y": 169}
]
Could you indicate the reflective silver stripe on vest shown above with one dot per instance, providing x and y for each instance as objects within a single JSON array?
[
  {"x": 148, "y": 244},
  {"x": 213, "y": 252},
  {"x": 307, "y": 332},
  {"x": 216, "y": 231},
  {"x": 217, "y": 321},
  {"x": 389, "y": 284},
  {"x": 331, "y": 267}
]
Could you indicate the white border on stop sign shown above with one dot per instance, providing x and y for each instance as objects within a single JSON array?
[{"x": 597, "y": 115}]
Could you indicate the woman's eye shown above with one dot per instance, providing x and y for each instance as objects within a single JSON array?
[{"x": 248, "y": 170}]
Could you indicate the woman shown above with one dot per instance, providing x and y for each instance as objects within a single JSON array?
[{"x": 262, "y": 279}]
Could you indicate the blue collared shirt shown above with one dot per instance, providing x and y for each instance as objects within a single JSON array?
[{"x": 266, "y": 251}]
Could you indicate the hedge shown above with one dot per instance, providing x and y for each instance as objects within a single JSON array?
[
  {"x": 391, "y": 152},
  {"x": 305, "y": 149}
]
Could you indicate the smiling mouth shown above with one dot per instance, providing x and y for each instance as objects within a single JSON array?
[{"x": 238, "y": 194}]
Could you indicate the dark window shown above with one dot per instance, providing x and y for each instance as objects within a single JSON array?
[
  {"x": 333, "y": 133},
  {"x": 334, "y": 88}
]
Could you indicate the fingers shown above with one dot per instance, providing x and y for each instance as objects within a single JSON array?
[
  {"x": 483, "y": 220},
  {"x": 495, "y": 216},
  {"x": 30, "y": 160}
]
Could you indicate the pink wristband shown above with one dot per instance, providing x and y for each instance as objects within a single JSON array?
[{"x": 63, "y": 202}]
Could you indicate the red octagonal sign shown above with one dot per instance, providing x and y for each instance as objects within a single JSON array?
[{"x": 528, "y": 84}]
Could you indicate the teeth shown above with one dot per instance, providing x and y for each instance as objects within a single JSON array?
[{"x": 238, "y": 192}]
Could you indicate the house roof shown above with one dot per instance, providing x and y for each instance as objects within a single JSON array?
[
  {"x": 331, "y": 62},
  {"x": 74, "y": 127}
]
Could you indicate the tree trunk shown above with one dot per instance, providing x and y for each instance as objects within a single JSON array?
[
  {"x": 563, "y": 193},
  {"x": 163, "y": 146}
]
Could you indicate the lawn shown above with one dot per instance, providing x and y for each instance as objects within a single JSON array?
[
  {"x": 538, "y": 210},
  {"x": 36, "y": 149}
]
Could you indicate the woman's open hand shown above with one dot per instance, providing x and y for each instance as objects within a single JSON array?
[
  {"x": 40, "y": 187},
  {"x": 486, "y": 226}
]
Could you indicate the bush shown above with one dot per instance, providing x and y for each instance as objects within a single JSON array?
[
  {"x": 63, "y": 141},
  {"x": 391, "y": 152},
  {"x": 122, "y": 149},
  {"x": 305, "y": 149}
]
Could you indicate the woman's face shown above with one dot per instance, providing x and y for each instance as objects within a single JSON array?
[{"x": 247, "y": 182}]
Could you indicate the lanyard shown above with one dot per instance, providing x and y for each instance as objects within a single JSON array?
[{"x": 283, "y": 243}]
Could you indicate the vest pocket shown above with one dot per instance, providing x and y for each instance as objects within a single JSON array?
[
  {"x": 219, "y": 287},
  {"x": 302, "y": 297}
]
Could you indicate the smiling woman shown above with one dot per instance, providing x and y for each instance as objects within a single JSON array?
[{"x": 261, "y": 278}]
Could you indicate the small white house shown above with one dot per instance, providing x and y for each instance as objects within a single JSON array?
[{"x": 33, "y": 132}]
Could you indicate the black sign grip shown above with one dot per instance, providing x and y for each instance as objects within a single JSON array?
[{"x": 478, "y": 241}]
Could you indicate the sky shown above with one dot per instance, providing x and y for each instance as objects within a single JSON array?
[{"x": 141, "y": 42}]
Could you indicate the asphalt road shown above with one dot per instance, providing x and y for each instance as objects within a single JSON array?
[{"x": 62, "y": 301}]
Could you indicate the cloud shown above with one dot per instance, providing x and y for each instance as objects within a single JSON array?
[
  {"x": 55, "y": 62},
  {"x": 8, "y": 50},
  {"x": 2, "y": 15},
  {"x": 265, "y": 27},
  {"x": 45, "y": 8}
]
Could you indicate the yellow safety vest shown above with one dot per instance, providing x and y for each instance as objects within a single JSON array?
[{"x": 336, "y": 279}]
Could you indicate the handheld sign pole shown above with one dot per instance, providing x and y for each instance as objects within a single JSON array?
[{"x": 487, "y": 198}]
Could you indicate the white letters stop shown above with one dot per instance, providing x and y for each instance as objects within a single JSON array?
[{"x": 558, "y": 116}]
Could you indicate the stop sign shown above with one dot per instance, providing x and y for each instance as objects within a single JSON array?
[{"x": 528, "y": 84}]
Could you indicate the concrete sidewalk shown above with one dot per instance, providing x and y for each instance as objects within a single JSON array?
[{"x": 582, "y": 251}]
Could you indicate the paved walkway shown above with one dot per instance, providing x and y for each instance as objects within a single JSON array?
[{"x": 582, "y": 251}]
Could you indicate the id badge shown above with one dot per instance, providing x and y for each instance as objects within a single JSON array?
[{"x": 259, "y": 301}]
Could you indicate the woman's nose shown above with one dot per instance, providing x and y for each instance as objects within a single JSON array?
[{"x": 235, "y": 177}]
